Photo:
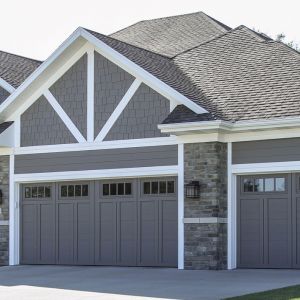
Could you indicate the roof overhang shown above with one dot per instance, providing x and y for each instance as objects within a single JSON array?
[{"x": 34, "y": 85}]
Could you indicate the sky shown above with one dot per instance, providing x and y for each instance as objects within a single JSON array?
[{"x": 35, "y": 28}]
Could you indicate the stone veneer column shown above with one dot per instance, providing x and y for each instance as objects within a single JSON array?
[
  {"x": 4, "y": 216},
  {"x": 205, "y": 245}
]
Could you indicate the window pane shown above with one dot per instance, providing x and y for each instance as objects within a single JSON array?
[
  {"x": 171, "y": 187},
  {"x": 70, "y": 190},
  {"x": 147, "y": 188},
  {"x": 280, "y": 184},
  {"x": 113, "y": 189},
  {"x": 47, "y": 191},
  {"x": 269, "y": 184},
  {"x": 258, "y": 185},
  {"x": 106, "y": 189},
  {"x": 120, "y": 188},
  {"x": 27, "y": 192},
  {"x": 34, "y": 192},
  {"x": 162, "y": 187},
  {"x": 78, "y": 190},
  {"x": 63, "y": 191},
  {"x": 154, "y": 187},
  {"x": 41, "y": 193},
  {"x": 85, "y": 190},
  {"x": 248, "y": 185},
  {"x": 128, "y": 188}
]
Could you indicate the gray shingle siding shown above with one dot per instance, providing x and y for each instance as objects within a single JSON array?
[
  {"x": 111, "y": 84},
  {"x": 40, "y": 125},
  {"x": 3, "y": 94},
  {"x": 71, "y": 93},
  {"x": 139, "y": 119}
]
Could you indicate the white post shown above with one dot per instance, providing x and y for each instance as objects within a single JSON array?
[
  {"x": 180, "y": 206},
  {"x": 12, "y": 213}
]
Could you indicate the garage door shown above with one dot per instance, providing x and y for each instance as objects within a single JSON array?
[
  {"x": 268, "y": 223},
  {"x": 124, "y": 222}
]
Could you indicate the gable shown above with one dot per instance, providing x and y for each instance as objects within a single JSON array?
[
  {"x": 110, "y": 85},
  {"x": 3, "y": 94},
  {"x": 141, "y": 116},
  {"x": 40, "y": 125},
  {"x": 70, "y": 91}
]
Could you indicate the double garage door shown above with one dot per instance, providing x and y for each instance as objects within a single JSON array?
[
  {"x": 268, "y": 210},
  {"x": 129, "y": 222}
]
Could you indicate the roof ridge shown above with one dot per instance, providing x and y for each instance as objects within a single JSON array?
[
  {"x": 21, "y": 56},
  {"x": 221, "y": 25},
  {"x": 173, "y": 16},
  {"x": 140, "y": 48}
]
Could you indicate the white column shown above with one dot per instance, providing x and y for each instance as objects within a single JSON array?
[
  {"x": 180, "y": 206},
  {"x": 90, "y": 94}
]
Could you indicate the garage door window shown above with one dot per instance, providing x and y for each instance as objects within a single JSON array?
[
  {"x": 159, "y": 187},
  {"x": 117, "y": 189},
  {"x": 37, "y": 192},
  {"x": 77, "y": 190},
  {"x": 258, "y": 185}
]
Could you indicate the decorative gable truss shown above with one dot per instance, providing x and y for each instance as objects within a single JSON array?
[{"x": 90, "y": 48}]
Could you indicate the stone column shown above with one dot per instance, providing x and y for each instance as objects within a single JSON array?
[
  {"x": 206, "y": 243},
  {"x": 4, "y": 216}
]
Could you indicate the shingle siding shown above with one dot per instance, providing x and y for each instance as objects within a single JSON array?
[
  {"x": 140, "y": 118},
  {"x": 3, "y": 94},
  {"x": 40, "y": 125},
  {"x": 71, "y": 93},
  {"x": 111, "y": 84}
]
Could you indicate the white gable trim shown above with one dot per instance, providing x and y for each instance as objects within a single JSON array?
[
  {"x": 64, "y": 117},
  {"x": 90, "y": 94},
  {"x": 4, "y": 84},
  {"x": 141, "y": 73},
  {"x": 118, "y": 110}
]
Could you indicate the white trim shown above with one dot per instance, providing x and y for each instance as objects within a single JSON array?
[
  {"x": 64, "y": 117},
  {"x": 180, "y": 206},
  {"x": 4, "y": 222},
  {"x": 205, "y": 220},
  {"x": 4, "y": 84},
  {"x": 98, "y": 174},
  {"x": 90, "y": 94},
  {"x": 264, "y": 168},
  {"x": 147, "y": 142},
  {"x": 17, "y": 131},
  {"x": 118, "y": 110}
]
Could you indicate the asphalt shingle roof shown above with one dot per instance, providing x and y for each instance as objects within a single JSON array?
[
  {"x": 171, "y": 35},
  {"x": 14, "y": 69}
]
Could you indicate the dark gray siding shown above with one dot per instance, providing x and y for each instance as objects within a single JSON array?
[
  {"x": 71, "y": 93},
  {"x": 3, "y": 94},
  {"x": 140, "y": 118},
  {"x": 40, "y": 125},
  {"x": 266, "y": 151},
  {"x": 111, "y": 84},
  {"x": 96, "y": 159}
]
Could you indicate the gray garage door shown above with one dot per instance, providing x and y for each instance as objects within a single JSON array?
[
  {"x": 125, "y": 222},
  {"x": 268, "y": 226}
]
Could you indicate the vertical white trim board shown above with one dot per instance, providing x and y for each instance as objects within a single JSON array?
[
  {"x": 90, "y": 94},
  {"x": 181, "y": 206},
  {"x": 64, "y": 117},
  {"x": 118, "y": 110}
]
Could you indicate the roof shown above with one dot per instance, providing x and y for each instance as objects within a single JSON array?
[
  {"x": 171, "y": 35},
  {"x": 14, "y": 69},
  {"x": 4, "y": 126}
]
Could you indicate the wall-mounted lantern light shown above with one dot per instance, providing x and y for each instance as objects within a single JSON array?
[
  {"x": 1, "y": 197},
  {"x": 192, "y": 189}
]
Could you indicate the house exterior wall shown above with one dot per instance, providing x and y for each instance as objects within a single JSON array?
[
  {"x": 205, "y": 244},
  {"x": 266, "y": 151},
  {"x": 40, "y": 125},
  {"x": 4, "y": 216},
  {"x": 3, "y": 94},
  {"x": 110, "y": 85},
  {"x": 70, "y": 91},
  {"x": 139, "y": 119}
]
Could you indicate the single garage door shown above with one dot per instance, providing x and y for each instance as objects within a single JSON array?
[
  {"x": 268, "y": 224},
  {"x": 124, "y": 222}
]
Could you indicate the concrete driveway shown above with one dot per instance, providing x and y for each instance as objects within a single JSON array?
[{"x": 64, "y": 282}]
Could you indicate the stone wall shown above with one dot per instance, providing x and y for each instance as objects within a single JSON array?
[
  {"x": 4, "y": 215},
  {"x": 206, "y": 243}
]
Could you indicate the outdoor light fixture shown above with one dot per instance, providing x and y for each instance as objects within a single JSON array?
[
  {"x": 192, "y": 189},
  {"x": 1, "y": 197}
]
